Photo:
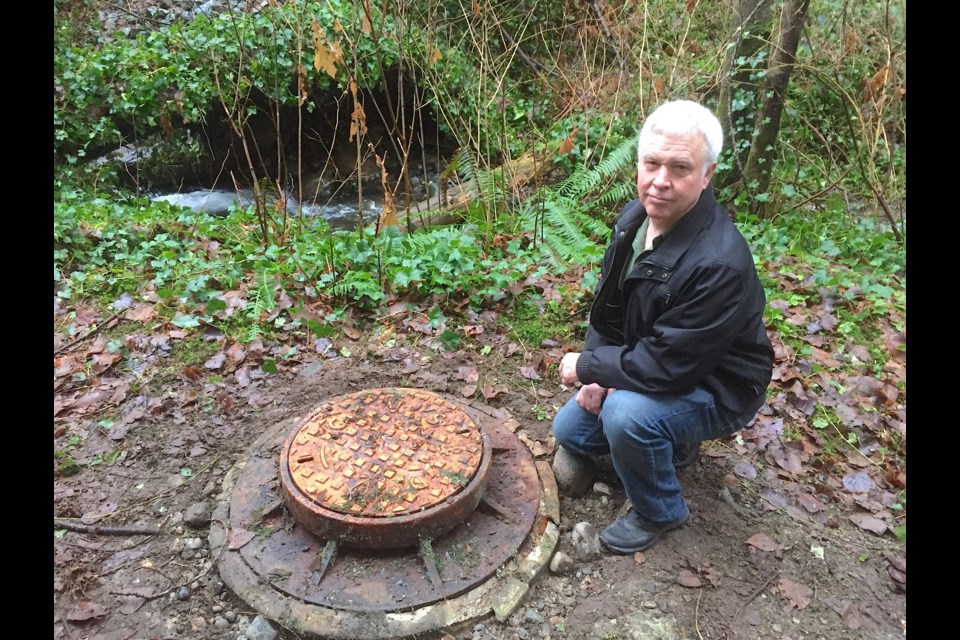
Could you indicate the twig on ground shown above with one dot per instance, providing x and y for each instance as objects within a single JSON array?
[
  {"x": 696, "y": 615},
  {"x": 776, "y": 574},
  {"x": 89, "y": 333},
  {"x": 105, "y": 531},
  {"x": 190, "y": 580}
]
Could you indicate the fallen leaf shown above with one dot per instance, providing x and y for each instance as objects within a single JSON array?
[
  {"x": 688, "y": 579},
  {"x": 810, "y": 503},
  {"x": 798, "y": 594},
  {"x": 352, "y": 332},
  {"x": 529, "y": 373},
  {"x": 869, "y": 523},
  {"x": 639, "y": 558},
  {"x": 468, "y": 390},
  {"x": 788, "y": 459},
  {"x": 434, "y": 56},
  {"x": 85, "y": 611},
  {"x": 745, "y": 469},
  {"x": 141, "y": 313},
  {"x": 858, "y": 482},
  {"x": 467, "y": 374},
  {"x": 216, "y": 361},
  {"x": 763, "y": 542},
  {"x": 490, "y": 392}
]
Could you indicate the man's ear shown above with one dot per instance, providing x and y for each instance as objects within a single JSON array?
[{"x": 708, "y": 176}]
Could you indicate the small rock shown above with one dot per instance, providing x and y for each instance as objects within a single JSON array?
[
  {"x": 776, "y": 628},
  {"x": 183, "y": 594},
  {"x": 561, "y": 563},
  {"x": 216, "y": 608},
  {"x": 479, "y": 628},
  {"x": 649, "y": 604},
  {"x": 532, "y": 615},
  {"x": 216, "y": 585},
  {"x": 586, "y": 541},
  {"x": 261, "y": 629},
  {"x": 602, "y": 488},
  {"x": 193, "y": 543},
  {"x": 649, "y": 586},
  {"x": 220, "y": 622},
  {"x": 198, "y": 515},
  {"x": 522, "y": 633}
]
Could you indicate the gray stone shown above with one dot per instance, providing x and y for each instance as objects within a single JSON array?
[
  {"x": 220, "y": 622},
  {"x": 231, "y": 616},
  {"x": 603, "y": 489},
  {"x": 641, "y": 625},
  {"x": 562, "y": 564},
  {"x": 183, "y": 594},
  {"x": 260, "y": 629},
  {"x": 532, "y": 615},
  {"x": 198, "y": 514},
  {"x": 586, "y": 542},
  {"x": 193, "y": 543},
  {"x": 574, "y": 473}
]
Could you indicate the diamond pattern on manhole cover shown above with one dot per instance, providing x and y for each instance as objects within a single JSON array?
[{"x": 385, "y": 452}]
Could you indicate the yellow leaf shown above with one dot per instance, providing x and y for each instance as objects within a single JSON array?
[
  {"x": 567, "y": 145},
  {"x": 436, "y": 55},
  {"x": 366, "y": 21},
  {"x": 323, "y": 60}
]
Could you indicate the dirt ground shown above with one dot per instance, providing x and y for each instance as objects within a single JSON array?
[{"x": 755, "y": 561}]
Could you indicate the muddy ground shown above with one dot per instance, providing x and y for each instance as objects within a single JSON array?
[{"x": 756, "y": 560}]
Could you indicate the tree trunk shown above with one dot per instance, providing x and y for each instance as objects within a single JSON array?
[
  {"x": 762, "y": 149},
  {"x": 739, "y": 95}
]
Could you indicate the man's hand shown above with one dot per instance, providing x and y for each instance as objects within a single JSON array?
[
  {"x": 591, "y": 397},
  {"x": 568, "y": 369}
]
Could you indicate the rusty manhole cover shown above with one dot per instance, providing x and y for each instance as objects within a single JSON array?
[
  {"x": 455, "y": 540},
  {"x": 383, "y": 468}
]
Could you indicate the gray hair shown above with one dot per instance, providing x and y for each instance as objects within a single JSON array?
[{"x": 684, "y": 118}]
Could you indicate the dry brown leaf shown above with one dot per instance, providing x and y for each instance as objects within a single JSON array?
[
  {"x": 798, "y": 594},
  {"x": 763, "y": 542},
  {"x": 530, "y": 373},
  {"x": 325, "y": 60},
  {"x": 434, "y": 56},
  {"x": 869, "y": 523},
  {"x": 567, "y": 145},
  {"x": 352, "y": 332},
  {"x": 468, "y": 390},
  {"x": 85, "y": 611},
  {"x": 688, "y": 579}
]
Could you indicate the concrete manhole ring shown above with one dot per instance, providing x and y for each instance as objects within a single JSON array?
[{"x": 323, "y": 585}]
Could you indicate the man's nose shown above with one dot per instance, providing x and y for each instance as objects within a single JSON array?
[{"x": 662, "y": 177}]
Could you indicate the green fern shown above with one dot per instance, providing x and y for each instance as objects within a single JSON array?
[
  {"x": 262, "y": 302},
  {"x": 560, "y": 215}
]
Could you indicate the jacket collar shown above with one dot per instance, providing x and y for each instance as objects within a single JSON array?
[{"x": 681, "y": 235}]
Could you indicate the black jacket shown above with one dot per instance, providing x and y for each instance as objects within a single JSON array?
[{"x": 690, "y": 314}]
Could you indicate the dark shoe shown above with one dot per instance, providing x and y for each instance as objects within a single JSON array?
[
  {"x": 631, "y": 532},
  {"x": 685, "y": 455},
  {"x": 574, "y": 472}
]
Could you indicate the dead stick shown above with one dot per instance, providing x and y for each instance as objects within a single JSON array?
[
  {"x": 696, "y": 614},
  {"x": 105, "y": 531},
  {"x": 92, "y": 331},
  {"x": 776, "y": 574}
]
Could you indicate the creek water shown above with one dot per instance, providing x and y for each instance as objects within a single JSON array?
[{"x": 340, "y": 212}]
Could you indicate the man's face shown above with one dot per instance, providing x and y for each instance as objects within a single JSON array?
[{"x": 671, "y": 176}]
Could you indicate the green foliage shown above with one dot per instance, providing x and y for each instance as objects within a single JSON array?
[
  {"x": 560, "y": 216},
  {"x": 109, "y": 92}
]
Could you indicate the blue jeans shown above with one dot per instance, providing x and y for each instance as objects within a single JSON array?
[{"x": 639, "y": 432}]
